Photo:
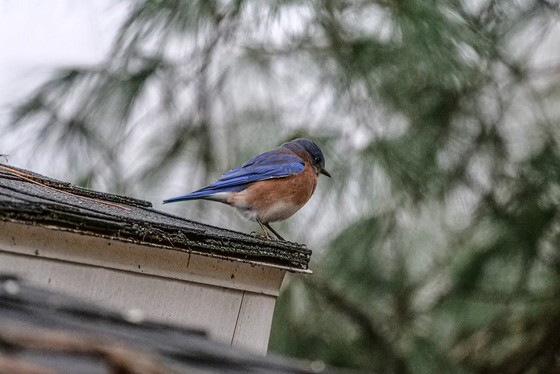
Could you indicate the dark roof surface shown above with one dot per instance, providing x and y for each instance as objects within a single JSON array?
[
  {"x": 48, "y": 332},
  {"x": 34, "y": 199}
]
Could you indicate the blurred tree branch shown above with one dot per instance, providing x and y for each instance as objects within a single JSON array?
[{"x": 439, "y": 119}]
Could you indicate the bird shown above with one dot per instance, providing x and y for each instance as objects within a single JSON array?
[{"x": 269, "y": 187}]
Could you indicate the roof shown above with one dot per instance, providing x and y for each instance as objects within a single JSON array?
[
  {"x": 31, "y": 198},
  {"x": 42, "y": 331}
]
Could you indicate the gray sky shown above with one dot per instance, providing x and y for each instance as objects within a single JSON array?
[{"x": 36, "y": 36}]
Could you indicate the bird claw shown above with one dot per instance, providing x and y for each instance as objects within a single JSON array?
[
  {"x": 257, "y": 234},
  {"x": 261, "y": 236}
]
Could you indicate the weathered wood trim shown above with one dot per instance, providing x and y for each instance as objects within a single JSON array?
[{"x": 50, "y": 243}]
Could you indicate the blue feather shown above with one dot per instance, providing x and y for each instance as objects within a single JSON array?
[{"x": 277, "y": 163}]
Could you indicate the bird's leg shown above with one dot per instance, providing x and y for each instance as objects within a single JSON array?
[
  {"x": 274, "y": 232},
  {"x": 271, "y": 229},
  {"x": 263, "y": 229}
]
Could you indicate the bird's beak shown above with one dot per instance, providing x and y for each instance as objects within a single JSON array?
[{"x": 324, "y": 172}]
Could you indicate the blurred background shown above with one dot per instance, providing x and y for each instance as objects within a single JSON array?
[{"x": 436, "y": 243}]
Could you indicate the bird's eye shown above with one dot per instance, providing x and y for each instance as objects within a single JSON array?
[{"x": 317, "y": 160}]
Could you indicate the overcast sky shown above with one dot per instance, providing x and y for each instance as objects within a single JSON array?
[{"x": 36, "y": 36}]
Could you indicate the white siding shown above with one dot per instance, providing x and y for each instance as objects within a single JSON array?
[
  {"x": 253, "y": 324},
  {"x": 233, "y": 301}
]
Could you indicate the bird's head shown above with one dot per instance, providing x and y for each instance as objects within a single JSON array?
[{"x": 312, "y": 151}]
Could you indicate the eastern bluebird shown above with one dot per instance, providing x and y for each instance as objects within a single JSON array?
[{"x": 269, "y": 187}]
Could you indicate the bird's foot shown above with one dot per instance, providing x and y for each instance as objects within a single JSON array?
[{"x": 261, "y": 236}]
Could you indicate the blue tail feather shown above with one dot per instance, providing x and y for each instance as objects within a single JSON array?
[
  {"x": 183, "y": 198},
  {"x": 205, "y": 193}
]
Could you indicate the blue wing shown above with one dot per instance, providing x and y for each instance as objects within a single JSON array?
[{"x": 277, "y": 163}]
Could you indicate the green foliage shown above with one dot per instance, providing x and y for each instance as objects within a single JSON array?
[{"x": 440, "y": 228}]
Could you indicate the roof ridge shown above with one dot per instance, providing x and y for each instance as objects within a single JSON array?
[
  {"x": 16, "y": 173},
  {"x": 31, "y": 198}
]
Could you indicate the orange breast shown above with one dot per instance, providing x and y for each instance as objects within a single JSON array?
[{"x": 277, "y": 199}]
